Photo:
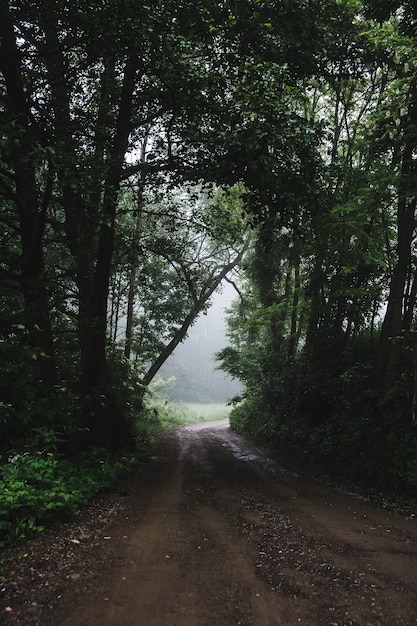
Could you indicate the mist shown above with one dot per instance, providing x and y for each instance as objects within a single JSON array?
[{"x": 192, "y": 364}]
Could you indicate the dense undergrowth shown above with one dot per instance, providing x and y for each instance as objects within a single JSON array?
[
  {"x": 41, "y": 484},
  {"x": 334, "y": 419},
  {"x": 49, "y": 467}
]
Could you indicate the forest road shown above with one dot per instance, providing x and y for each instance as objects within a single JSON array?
[{"x": 216, "y": 533}]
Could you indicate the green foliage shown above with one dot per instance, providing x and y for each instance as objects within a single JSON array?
[
  {"x": 140, "y": 165},
  {"x": 159, "y": 414},
  {"x": 332, "y": 417},
  {"x": 129, "y": 390},
  {"x": 25, "y": 401},
  {"x": 225, "y": 212},
  {"x": 39, "y": 487},
  {"x": 168, "y": 254},
  {"x": 323, "y": 335},
  {"x": 251, "y": 417}
]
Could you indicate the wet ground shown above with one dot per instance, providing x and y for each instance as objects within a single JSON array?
[{"x": 216, "y": 532}]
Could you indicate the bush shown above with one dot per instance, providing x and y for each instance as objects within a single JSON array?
[
  {"x": 253, "y": 418},
  {"x": 335, "y": 417},
  {"x": 40, "y": 486},
  {"x": 25, "y": 401}
]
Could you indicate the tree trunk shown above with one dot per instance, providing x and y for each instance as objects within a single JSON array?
[
  {"x": 37, "y": 317},
  {"x": 392, "y": 331},
  {"x": 132, "y": 271},
  {"x": 107, "y": 424},
  {"x": 192, "y": 316},
  {"x": 294, "y": 333},
  {"x": 31, "y": 208},
  {"x": 410, "y": 305},
  {"x": 129, "y": 312},
  {"x": 90, "y": 222}
]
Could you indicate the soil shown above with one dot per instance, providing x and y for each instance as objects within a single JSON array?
[{"x": 214, "y": 531}]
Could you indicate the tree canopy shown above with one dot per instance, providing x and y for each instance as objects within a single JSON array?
[
  {"x": 324, "y": 333},
  {"x": 147, "y": 150}
]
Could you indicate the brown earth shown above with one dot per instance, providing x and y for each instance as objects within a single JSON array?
[{"x": 214, "y": 532}]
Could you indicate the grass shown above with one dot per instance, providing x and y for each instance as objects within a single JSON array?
[
  {"x": 161, "y": 415},
  {"x": 39, "y": 486},
  {"x": 177, "y": 414},
  {"x": 205, "y": 412}
]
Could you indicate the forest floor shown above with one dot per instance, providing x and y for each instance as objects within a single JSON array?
[{"x": 214, "y": 531}]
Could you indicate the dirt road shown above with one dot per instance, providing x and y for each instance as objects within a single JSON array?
[{"x": 215, "y": 533}]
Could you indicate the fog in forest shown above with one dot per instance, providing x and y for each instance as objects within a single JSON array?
[{"x": 193, "y": 364}]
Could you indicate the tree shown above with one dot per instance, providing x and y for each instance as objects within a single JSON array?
[
  {"x": 26, "y": 183},
  {"x": 184, "y": 243},
  {"x": 86, "y": 84},
  {"x": 400, "y": 140},
  {"x": 334, "y": 264}
]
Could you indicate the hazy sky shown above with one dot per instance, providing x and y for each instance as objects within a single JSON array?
[{"x": 193, "y": 361}]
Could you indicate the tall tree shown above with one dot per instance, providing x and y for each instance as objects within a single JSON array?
[
  {"x": 184, "y": 243},
  {"x": 400, "y": 133},
  {"x": 215, "y": 85},
  {"x": 26, "y": 182}
]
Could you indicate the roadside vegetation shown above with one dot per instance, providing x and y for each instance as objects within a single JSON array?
[
  {"x": 40, "y": 485},
  {"x": 150, "y": 152},
  {"x": 323, "y": 336}
]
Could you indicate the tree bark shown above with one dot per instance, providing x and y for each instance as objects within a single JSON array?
[
  {"x": 392, "y": 331},
  {"x": 31, "y": 207},
  {"x": 107, "y": 424},
  {"x": 90, "y": 200},
  {"x": 132, "y": 271},
  {"x": 294, "y": 333}
]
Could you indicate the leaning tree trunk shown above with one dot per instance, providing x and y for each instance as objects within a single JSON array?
[{"x": 198, "y": 306}]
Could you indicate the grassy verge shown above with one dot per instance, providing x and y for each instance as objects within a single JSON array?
[
  {"x": 161, "y": 415},
  {"x": 207, "y": 412}
]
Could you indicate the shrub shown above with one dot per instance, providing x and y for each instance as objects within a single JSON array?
[{"x": 40, "y": 486}]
